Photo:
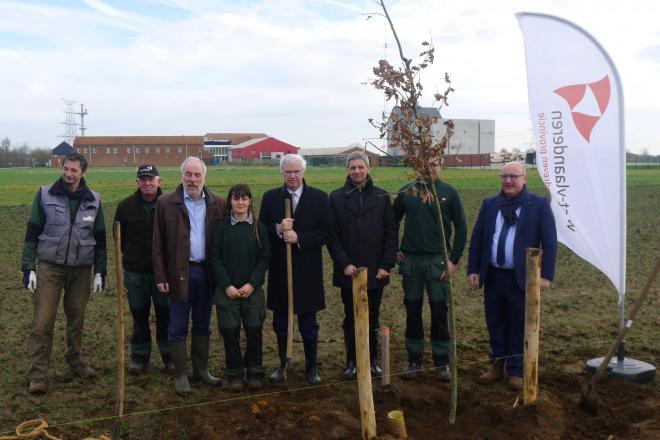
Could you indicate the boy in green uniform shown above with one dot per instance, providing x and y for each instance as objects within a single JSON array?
[
  {"x": 240, "y": 256},
  {"x": 422, "y": 263}
]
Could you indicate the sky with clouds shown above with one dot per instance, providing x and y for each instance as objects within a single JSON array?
[{"x": 294, "y": 69}]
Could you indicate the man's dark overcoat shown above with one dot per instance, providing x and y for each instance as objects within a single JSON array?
[
  {"x": 364, "y": 233},
  {"x": 312, "y": 224}
]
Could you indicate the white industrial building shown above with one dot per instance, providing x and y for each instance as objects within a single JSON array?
[{"x": 471, "y": 145}]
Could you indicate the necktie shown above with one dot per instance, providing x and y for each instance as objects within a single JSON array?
[
  {"x": 501, "y": 244},
  {"x": 294, "y": 202}
]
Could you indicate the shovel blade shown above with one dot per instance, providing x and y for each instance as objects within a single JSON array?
[{"x": 589, "y": 399}]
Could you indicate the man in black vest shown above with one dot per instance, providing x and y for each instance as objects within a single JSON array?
[{"x": 66, "y": 233}]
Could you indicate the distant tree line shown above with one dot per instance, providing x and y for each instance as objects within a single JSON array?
[
  {"x": 22, "y": 155},
  {"x": 643, "y": 157}
]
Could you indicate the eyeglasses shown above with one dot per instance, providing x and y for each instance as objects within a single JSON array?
[{"x": 510, "y": 176}]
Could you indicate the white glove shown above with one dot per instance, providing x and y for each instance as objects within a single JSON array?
[
  {"x": 32, "y": 283},
  {"x": 98, "y": 283}
]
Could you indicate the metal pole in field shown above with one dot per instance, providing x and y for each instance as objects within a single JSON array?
[
  {"x": 361, "y": 314},
  {"x": 120, "y": 330},
  {"x": 532, "y": 325}
]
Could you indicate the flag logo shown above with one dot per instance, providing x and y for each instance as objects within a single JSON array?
[{"x": 587, "y": 102}]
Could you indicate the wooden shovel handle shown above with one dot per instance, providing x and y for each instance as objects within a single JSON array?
[
  {"x": 631, "y": 318},
  {"x": 289, "y": 281}
]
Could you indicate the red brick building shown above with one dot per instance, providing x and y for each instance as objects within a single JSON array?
[{"x": 134, "y": 150}]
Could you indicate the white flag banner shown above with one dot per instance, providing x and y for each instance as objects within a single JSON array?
[{"x": 576, "y": 106}]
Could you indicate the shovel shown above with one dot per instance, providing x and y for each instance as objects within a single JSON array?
[
  {"x": 289, "y": 280},
  {"x": 589, "y": 398}
]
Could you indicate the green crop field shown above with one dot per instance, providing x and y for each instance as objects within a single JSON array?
[
  {"x": 579, "y": 319},
  {"x": 18, "y": 185}
]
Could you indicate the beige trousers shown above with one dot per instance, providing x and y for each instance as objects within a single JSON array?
[{"x": 51, "y": 280}]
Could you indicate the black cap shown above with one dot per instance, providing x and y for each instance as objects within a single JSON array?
[{"x": 147, "y": 169}]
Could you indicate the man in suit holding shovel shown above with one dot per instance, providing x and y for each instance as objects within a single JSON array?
[{"x": 306, "y": 231}]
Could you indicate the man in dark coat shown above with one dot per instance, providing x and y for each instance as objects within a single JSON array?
[
  {"x": 183, "y": 230},
  {"x": 507, "y": 224},
  {"x": 135, "y": 215},
  {"x": 307, "y": 231},
  {"x": 364, "y": 235}
]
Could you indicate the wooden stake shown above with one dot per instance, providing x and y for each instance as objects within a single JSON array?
[
  {"x": 120, "y": 329},
  {"x": 289, "y": 281},
  {"x": 532, "y": 325},
  {"x": 361, "y": 314},
  {"x": 385, "y": 355}
]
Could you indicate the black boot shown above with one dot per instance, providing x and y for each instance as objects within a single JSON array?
[
  {"x": 311, "y": 368},
  {"x": 414, "y": 366},
  {"x": 234, "y": 365},
  {"x": 199, "y": 352},
  {"x": 373, "y": 352},
  {"x": 279, "y": 374},
  {"x": 350, "y": 373},
  {"x": 180, "y": 359}
]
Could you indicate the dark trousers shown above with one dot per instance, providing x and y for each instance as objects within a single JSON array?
[
  {"x": 249, "y": 312},
  {"x": 198, "y": 306},
  {"x": 307, "y": 325},
  {"x": 504, "y": 303},
  {"x": 422, "y": 271},
  {"x": 141, "y": 291},
  {"x": 375, "y": 296}
]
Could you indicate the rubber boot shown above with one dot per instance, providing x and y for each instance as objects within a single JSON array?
[
  {"x": 311, "y": 368},
  {"x": 199, "y": 352},
  {"x": 180, "y": 360},
  {"x": 279, "y": 374},
  {"x": 373, "y": 353},
  {"x": 350, "y": 373}
]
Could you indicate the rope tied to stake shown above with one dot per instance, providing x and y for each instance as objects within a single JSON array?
[
  {"x": 35, "y": 428},
  {"x": 31, "y": 429}
]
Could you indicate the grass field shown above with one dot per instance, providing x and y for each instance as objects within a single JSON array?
[
  {"x": 19, "y": 184},
  {"x": 579, "y": 320}
]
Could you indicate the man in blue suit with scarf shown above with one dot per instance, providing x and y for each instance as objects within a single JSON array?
[{"x": 509, "y": 223}]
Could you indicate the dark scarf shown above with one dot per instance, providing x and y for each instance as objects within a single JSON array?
[{"x": 509, "y": 205}]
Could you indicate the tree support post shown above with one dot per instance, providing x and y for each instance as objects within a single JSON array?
[
  {"x": 385, "y": 355},
  {"x": 361, "y": 315},
  {"x": 120, "y": 330},
  {"x": 532, "y": 325}
]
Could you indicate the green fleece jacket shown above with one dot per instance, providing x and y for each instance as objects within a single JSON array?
[{"x": 421, "y": 234}]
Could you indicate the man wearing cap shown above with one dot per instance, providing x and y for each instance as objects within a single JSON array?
[
  {"x": 183, "y": 230},
  {"x": 66, "y": 234},
  {"x": 135, "y": 215}
]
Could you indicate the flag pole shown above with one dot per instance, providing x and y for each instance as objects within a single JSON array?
[{"x": 621, "y": 367}]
